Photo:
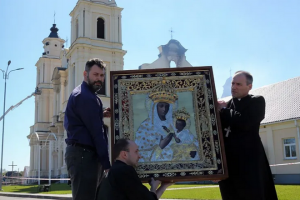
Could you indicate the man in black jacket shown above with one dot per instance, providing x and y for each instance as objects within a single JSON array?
[
  {"x": 250, "y": 177},
  {"x": 122, "y": 181}
]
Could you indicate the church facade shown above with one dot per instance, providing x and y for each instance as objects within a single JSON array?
[{"x": 95, "y": 33}]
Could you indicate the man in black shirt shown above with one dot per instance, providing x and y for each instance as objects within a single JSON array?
[
  {"x": 87, "y": 151},
  {"x": 122, "y": 182}
]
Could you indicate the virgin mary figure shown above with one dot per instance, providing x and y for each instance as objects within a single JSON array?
[{"x": 152, "y": 138}]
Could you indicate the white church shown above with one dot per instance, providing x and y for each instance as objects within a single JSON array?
[{"x": 96, "y": 32}]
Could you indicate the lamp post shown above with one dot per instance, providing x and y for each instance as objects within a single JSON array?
[{"x": 5, "y": 77}]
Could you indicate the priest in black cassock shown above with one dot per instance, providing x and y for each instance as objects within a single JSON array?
[{"x": 250, "y": 176}]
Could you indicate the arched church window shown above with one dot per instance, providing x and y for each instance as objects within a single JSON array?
[
  {"x": 173, "y": 64},
  {"x": 100, "y": 28}
]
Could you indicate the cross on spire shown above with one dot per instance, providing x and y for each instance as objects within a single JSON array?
[
  {"x": 12, "y": 167},
  {"x": 67, "y": 40},
  {"x": 54, "y": 17},
  {"x": 171, "y": 33}
]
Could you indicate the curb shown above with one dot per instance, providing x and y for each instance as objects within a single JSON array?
[{"x": 40, "y": 196}]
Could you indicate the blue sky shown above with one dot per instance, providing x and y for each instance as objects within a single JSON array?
[{"x": 260, "y": 36}]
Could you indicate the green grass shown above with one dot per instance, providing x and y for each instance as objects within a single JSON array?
[
  {"x": 288, "y": 192},
  {"x": 284, "y": 192},
  {"x": 55, "y": 189},
  {"x": 201, "y": 193}
]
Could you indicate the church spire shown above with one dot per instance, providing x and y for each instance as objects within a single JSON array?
[{"x": 54, "y": 31}]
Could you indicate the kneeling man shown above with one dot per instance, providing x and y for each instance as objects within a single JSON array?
[{"x": 122, "y": 181}]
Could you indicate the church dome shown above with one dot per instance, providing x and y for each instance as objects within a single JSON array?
[{"x": 54, "y": 31}]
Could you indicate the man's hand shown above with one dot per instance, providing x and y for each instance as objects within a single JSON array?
[
  {"x": 107, "y": 112},
  {"x": 154, "y": 185},
  {"x": 162, "y": 188},
  {"x": 221, "y": 104}
]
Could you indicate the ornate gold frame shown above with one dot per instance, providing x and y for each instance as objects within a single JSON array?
[{"x": 199, "y": 81}]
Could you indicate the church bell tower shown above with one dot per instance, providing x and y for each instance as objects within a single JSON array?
[{"x": 95, "y": 33}]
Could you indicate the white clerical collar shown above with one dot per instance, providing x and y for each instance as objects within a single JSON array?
[{"x": 239, "y": 99}]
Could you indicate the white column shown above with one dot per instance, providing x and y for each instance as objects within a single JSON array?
[
  {"x": 36, "y": 110},
  {"x": 44, "y": 159},
  {"x": 72, "y": 31},
  {"x": 39, "y": 104},
  {"x": 70, "y": 79},
  {"x": 88, "y": 20},
  {"x": 31, "y": 158},
  {"x": 58, "y": 103},
  {"x": 51, "y": 99},
  {"x": 270, "y": 146},
  {"x": 59, "y": 156},
  {"x": 62, "y": 93},
  {"x": 120, "y": 28},
  {"x": 54, "y": 105},
  {"x": 50, "y": 160},
  {"x": 39, "y": 164},
  {"x": 35, "y": 157}
]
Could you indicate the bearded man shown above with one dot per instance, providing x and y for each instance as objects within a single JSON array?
[{"x": 87, "y": 145}]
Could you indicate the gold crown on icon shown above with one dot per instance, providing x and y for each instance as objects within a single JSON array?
[
  {"x": 163, "y": 93},
  {"x": 182, "y": 114}
]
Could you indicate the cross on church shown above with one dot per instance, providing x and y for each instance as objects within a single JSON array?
[
  {"x": 67, "y": 40},
  {"x": 227, "y": 131},
  {"x": 12, "y": 168},
  {"x": 54, "y": 17},
  {"x": 171, "y": 33}
]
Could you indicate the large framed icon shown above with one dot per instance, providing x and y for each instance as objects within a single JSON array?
[{"x": 172, "y": 116}]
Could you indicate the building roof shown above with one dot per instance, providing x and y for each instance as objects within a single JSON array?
[{"x": 282, "y": 100}]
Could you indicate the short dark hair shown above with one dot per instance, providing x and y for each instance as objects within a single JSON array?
[
  {"x": 249, "y": 77},
  {"x": 94, "y": 61},
  {"x": 121, "y": 145}
]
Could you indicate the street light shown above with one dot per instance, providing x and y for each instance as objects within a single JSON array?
[{"x": 5, "y": 77}]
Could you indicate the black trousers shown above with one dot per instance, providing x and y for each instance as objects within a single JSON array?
[{"x": 85, "y": 172}]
